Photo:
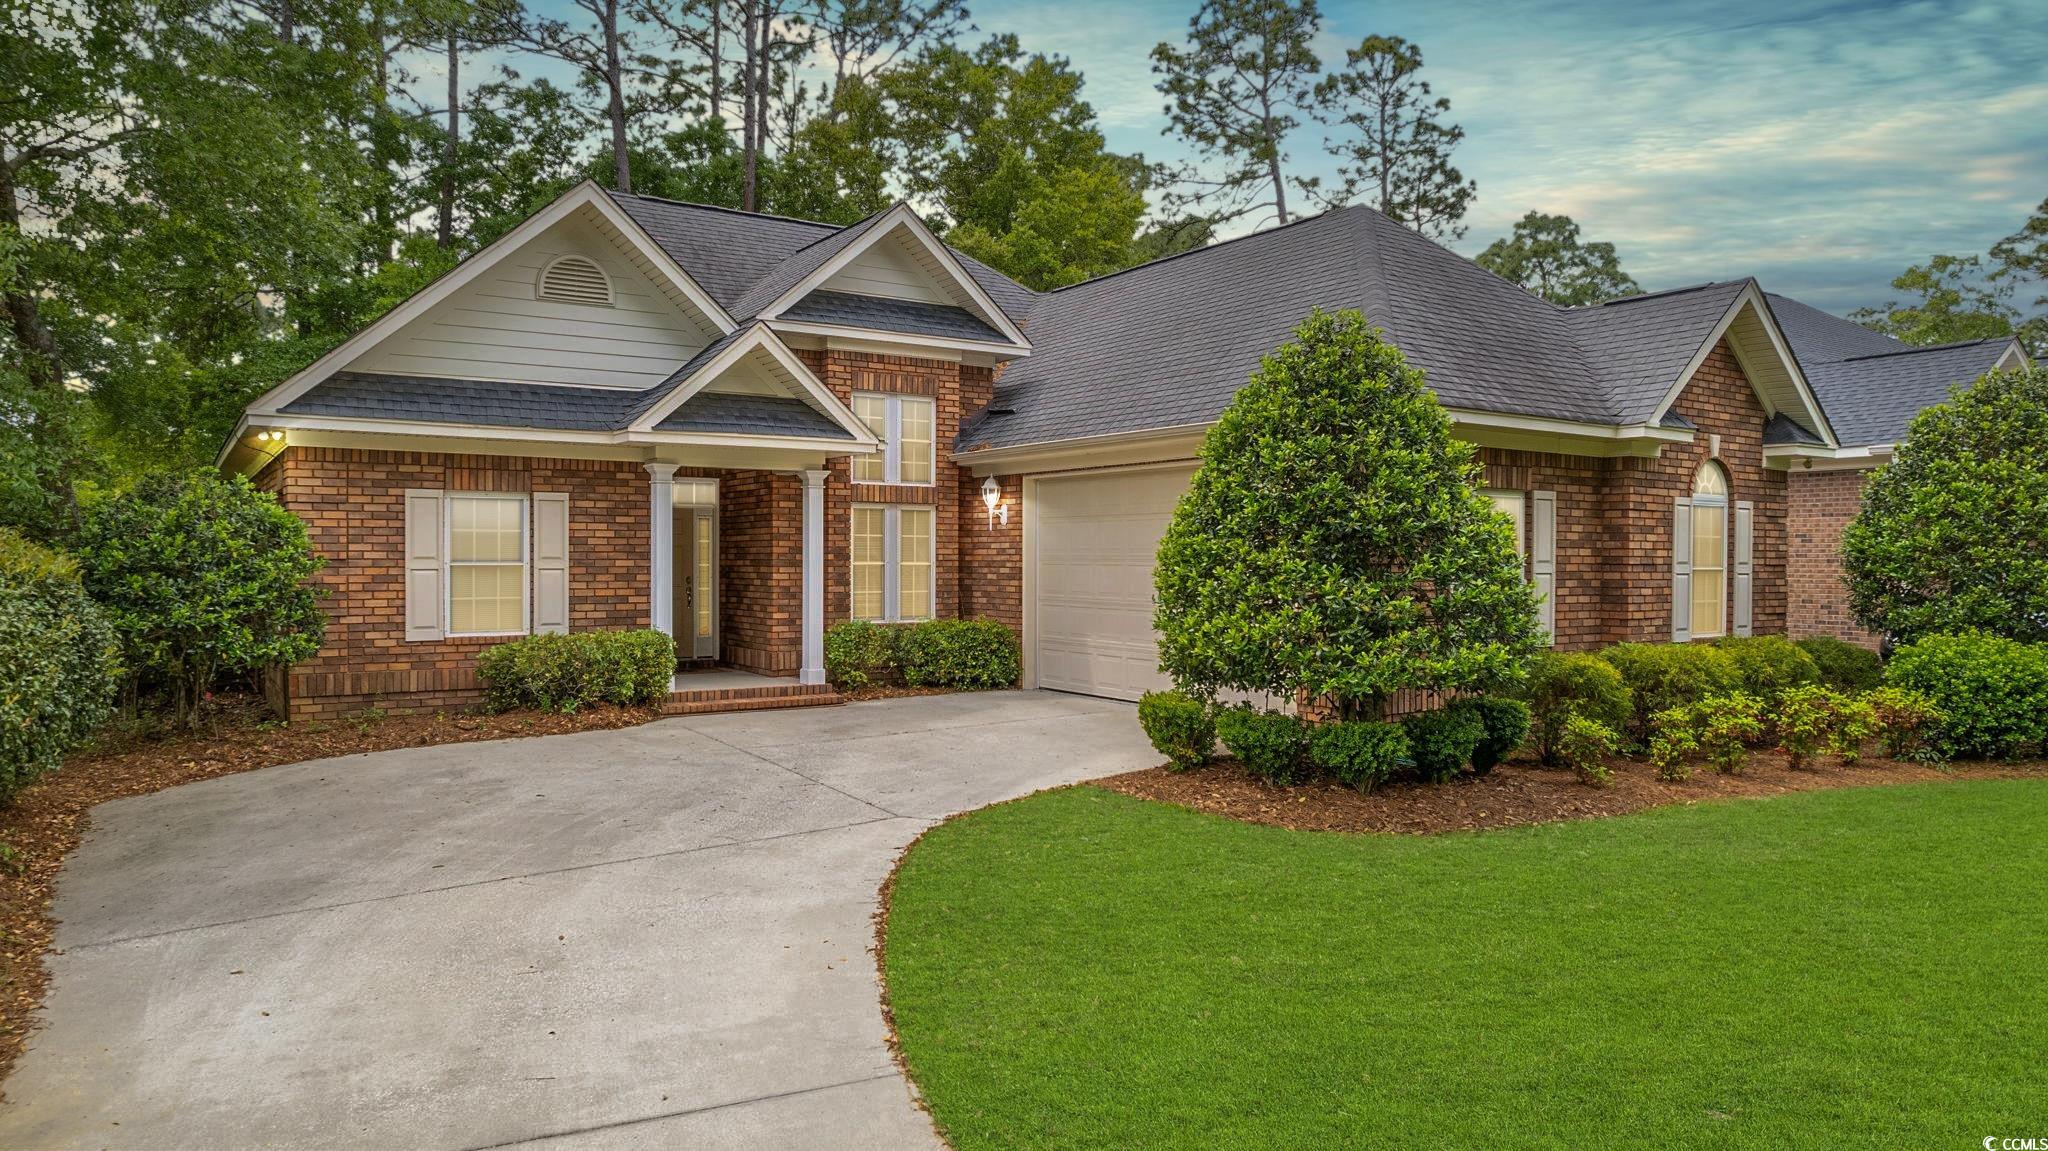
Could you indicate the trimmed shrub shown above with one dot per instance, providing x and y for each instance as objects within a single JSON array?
[
  {"x": 1564, "y": 684},
  {"x": 1334, "y": 545},
  {"x": 1504, "y": 724},
  {"x": 1843, "y": 666},
  {"x": 1906, "y": 722},
  {"x": 857, "y": 653},
  {"x": 1270, "y": 744},
  {"x": 974, "y": 654},
  {"x": 1667, "y": 675},
  {"x": 57, "y": 661},
  {"x": 1584, "y": 746},
  {"x": 202, "y": 576},
  {"x": 566, "y": 672},
  {"x": 1768, "y": 664},
  {"x": 1180, "y": 727},
  {"x": 1814, "y": 719},
  {"x": 1360, "y": 753},
  {"x": 1992, "y": 692},
  {"x": 1719, "y": 728},
  {"x": 1441, "y": 741}
]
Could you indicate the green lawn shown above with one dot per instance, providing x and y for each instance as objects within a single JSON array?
[{"x": 1854, "y": 968}]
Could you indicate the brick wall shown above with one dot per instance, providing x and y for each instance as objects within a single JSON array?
[
  {"x": 992, "y": 557},
  {"x": 1822, "y": 504},
  {"x": 761, "y": 571},
  {"x": 352, "y": 501}
]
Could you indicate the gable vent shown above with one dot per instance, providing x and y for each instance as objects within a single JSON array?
[{"x": 575, "y": 280}]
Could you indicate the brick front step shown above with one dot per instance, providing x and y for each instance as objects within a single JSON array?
[{"x": 706, "y": 700}]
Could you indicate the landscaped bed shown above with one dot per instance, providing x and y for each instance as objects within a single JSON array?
[{"x": 1861, "y": 966}]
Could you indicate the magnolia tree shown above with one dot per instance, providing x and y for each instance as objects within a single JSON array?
[
  {"x": 202, "y": 576},
  {"x": 1953, "y": 534},
  {"x": 1333, "y": 544}
]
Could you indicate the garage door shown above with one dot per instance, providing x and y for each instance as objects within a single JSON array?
[{"x": 1094, "y": 538}]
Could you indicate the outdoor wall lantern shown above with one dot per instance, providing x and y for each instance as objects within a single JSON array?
[{"x": 992, "y": 496}]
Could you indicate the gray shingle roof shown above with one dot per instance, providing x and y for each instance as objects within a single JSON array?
[
  {"x": 892, "y": 316},
  {"x": 1167, "y": 344},
  {"x": 791, "y": 269},
  {"x": 553, "y": 407},
  {"x": 1869, "y": 384},
  {"x": 751, "y": 415},
  {"x": 725, "y": 251},
  {"x": 1783, "y": 429},
  {"x": 363, "y": 395},
  {"x": 1871, "y": 399}
]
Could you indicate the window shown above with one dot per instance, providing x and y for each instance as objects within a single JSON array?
[
  {"x": 905, "y": 425},
  {"x": 1709, "y": 551},
  {"x": 486, "y": 565},
  {"x": 1515, "y": 507},
  {"x": 873, "y": 411},
  {"x": 892, "y": 562}
]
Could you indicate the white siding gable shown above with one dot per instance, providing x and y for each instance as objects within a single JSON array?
[
  {"x": 497, "y": 328},
  {"x": 891, "y": 269}
]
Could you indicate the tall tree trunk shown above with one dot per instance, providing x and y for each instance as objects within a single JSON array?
[
  {"x": 717, "y": 8},
  {"x": 750, "y": 139},
  {"x": 615, "y": 81},
  {"x": 287, "y": 21},
  {"x": 1266, "y": 125},
  {"x": 444, "y": 231},
  {"x": 44, "y": 363}
]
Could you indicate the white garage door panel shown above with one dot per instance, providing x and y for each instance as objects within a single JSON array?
[{"x": 1095, "y": 537}]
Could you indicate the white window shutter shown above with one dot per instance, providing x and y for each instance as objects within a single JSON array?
[
  {"x": 424, "y": 541},
  {"x": 550, "y": 562},
  {"x": 1745, "y": 519},
  {"x": 1681, "y": 571},
  {"x": 1543, "y": 557}
]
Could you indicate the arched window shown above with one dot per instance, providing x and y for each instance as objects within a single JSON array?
[
  {"x": 575, "y": 280},
  {"x": 1709, "y": 551}
]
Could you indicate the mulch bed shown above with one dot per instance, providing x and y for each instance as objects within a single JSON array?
[
  {"x": 49, "y": 817},
  {"x": 1514, "y": 794},
  {"x": 889, "y": 691}
]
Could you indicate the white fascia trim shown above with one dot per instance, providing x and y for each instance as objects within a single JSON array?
[
  {"x": 1751, "y": 296},
  {"x": 583, "y": 195},
  {"x": 1015, "y": 453},
  {"x": 553, "y": 435},
  {"x": 900, "y": 215},
  {"x": 759, "y": 338},
  {"x": 1818, "y": 458},
  {"x": 1543, "y": 425},
  {"x": 907, "y": 339},
  {"x": 2014, "y": 357}
]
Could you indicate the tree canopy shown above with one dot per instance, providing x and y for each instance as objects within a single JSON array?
[
  {"x": 1952, "y": 536},
  {"x": 1333, "y": 542},
  {"x": 1546, "y": 256}
]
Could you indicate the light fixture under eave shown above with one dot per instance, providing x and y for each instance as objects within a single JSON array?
[{"x": 992, "y": 498}]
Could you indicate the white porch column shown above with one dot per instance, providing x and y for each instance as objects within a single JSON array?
[
  {"x": 813, "y": 670},
  {"x": 661, "y": 531}
]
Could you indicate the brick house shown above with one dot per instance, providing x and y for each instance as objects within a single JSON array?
[{"x": 741, "y": 429}]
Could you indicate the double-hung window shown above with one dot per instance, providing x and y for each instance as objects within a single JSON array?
[
  {"x": 906, "y": 427},
  {"x": 892, "y": 562},
  {"x": 1709, "y": 551},
  {"x": 486, "y": 564},
  {"x": 1514, "y": 506}
]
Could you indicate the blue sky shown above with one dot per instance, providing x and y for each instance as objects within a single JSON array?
[{"x": 1819, "y": 146}]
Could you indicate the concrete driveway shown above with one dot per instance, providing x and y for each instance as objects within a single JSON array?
[{"x": 648, "y": 938}]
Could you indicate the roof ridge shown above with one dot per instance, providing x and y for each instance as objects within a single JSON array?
[
  {"x": 1220, "y": 244},
  {"x": 1640, "y": 296},
  {"x": 730, "y": 211},
  {"x": 1916, "y": 348}
]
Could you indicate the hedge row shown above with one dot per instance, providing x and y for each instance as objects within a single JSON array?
[
  {"x": 566, "y": 672},
  {"x": 970, "y": 654}
]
